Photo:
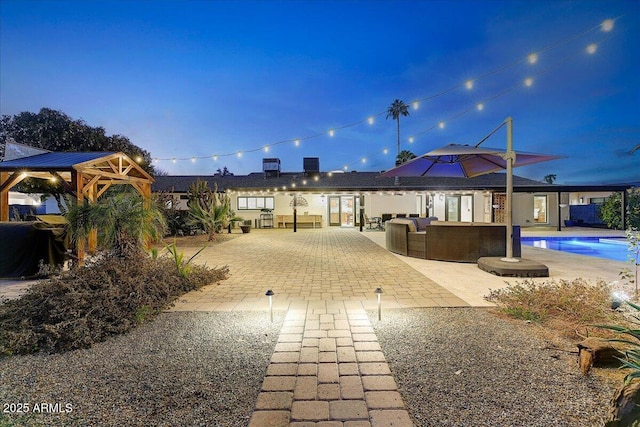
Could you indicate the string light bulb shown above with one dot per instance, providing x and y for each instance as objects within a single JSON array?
[
  {"x": 315, "y": 178},
  {"x": 215, "y": 158},
  {"x": 415, "y": 105},
  {"x": 239, "y": 154},
  {"x": 532, "y": 58},
  {"x": 480, "y": 106},
  {"x": 138, "y": 159},
  {"x": 441, "y": 125},
  {"x": 607, "y": 25},
  {"x": 468, "y": 84},
  {"x": 193, "y": 160},
  {"x": 331, "y": 132},
  {"x": 411, "y": 140},
  {"x": 385, "y": 151},
  {"x": 173, "y": 160},
  {"x": 591, "y": 49},
  {"x": 370, "y": 120},
  {"x": 296, "y": 142},
  {"x": 364, "y": 160},
  {"x": 266, "y": 148},
  {"x": 346, "y": 167},
  {"x": 528, "y": 81}
]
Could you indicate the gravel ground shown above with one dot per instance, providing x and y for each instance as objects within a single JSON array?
[
  {"x": 188, "y": 369},
  {"x": 466, "y": 367}
]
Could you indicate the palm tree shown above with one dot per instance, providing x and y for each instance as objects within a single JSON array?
[
  {"x": 396, "y": 109},
  {"x": 124, "y": 220},
  {"x": 404, "y": 156}
]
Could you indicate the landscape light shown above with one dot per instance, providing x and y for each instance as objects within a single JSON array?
[
  {"x": 270, "y": 294},
  {"x": 378, "y": 292}
]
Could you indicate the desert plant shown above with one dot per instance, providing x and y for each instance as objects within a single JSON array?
[
  {"x": 182, "y": 267},
  {"x": 625, "y": 410},
  {"x": 566, "y": 303},
  {"x": 209, "y": 209},
  {"x": 631, "y": 274},
  {"x": 108, "y": 296},
  {"x": 124, "y": 220}
]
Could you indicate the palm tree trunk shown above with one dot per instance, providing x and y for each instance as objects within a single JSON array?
[{"x": 398, "y": 121}]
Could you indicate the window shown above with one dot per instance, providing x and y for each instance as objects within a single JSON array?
[
  {"x": 249, "y": 203},
  {"x": 540, "y": 210}
]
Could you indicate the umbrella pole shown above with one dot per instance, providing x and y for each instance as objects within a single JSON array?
[{"x": 510, "y": 157}]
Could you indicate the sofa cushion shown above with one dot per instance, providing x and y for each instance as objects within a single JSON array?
[
  {"x": 408, "y": 221},
  {"x": 421, "y": 223}
]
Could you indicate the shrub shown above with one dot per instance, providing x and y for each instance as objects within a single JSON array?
[
  {"x": 567, "y": 304},
  {"x": 87, "y": 305}
]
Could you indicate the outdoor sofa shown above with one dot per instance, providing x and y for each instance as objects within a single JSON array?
[{"x": 428, "y": 238}]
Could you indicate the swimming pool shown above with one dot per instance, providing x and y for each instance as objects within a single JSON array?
[{"x": 610, "y": 248}]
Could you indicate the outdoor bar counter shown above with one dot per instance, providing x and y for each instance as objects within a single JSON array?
[{"x": 450, "y": 241}]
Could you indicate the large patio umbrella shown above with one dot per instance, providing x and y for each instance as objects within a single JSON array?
[{"x": 468, "y": 161}]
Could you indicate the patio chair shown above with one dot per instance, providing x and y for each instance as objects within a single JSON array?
[{"x": 371, "y": 221}]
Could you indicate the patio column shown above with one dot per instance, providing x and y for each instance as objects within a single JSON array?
[{"x": 76, "y": 183}]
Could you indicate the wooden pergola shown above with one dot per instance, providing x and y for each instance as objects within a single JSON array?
[{"x": 85, "y": 175}]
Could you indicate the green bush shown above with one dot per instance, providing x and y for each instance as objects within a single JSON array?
[{"x": 89, "y": 304}]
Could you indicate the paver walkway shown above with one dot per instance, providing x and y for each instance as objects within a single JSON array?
[{"x": 329, "y": 370}]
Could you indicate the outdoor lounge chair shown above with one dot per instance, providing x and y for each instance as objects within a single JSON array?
[{"x": 371, "y": 221}]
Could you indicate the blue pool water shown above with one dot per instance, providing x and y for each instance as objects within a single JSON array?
[{"x": 610, "y": 248}]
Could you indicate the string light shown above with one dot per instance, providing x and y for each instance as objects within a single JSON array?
[
  {"x": 364, "y": 160},
  {"x": 316, "y": 178},
  {"x": 138, "y": 159},
  {"x": 385, "y": 151},
  {"x": 411, "y": 140},
  {"x": 346, "y": 167},
  {"x": 606, "y": 26},
  {"x": 193, "y": 160}
]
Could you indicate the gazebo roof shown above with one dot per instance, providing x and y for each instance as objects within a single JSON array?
[{"x": 58, "y": 161}]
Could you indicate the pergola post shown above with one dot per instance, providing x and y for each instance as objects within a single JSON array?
[
  {"x": 4, "y": 197},
  {"x": 92, "y": 240},
  {"x": 76, "y": 182}
]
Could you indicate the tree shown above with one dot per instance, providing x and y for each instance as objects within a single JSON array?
[
  {"x": 224, "y": 172},
  {"x": 396, "y": 109},
  {"x": 123, "y": 219},
  {"x": 404, "y": 156},
  {"x": 549, "y": 179},
  {"x": 208, "y": 208},
  {"x": 611, "y": 210},
  {"x": 55, "y": 131}
]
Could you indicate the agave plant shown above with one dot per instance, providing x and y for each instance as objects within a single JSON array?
[
  {"x": 209, "y": 209},
  {"x": 632, "y": 355}
]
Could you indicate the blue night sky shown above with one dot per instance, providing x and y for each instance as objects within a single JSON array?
[{"x": 187, "y": 79}]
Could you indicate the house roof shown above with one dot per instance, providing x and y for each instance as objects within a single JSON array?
[
  {"x": 349, "y": 181},
  {"x": 53, "y": 161}
]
